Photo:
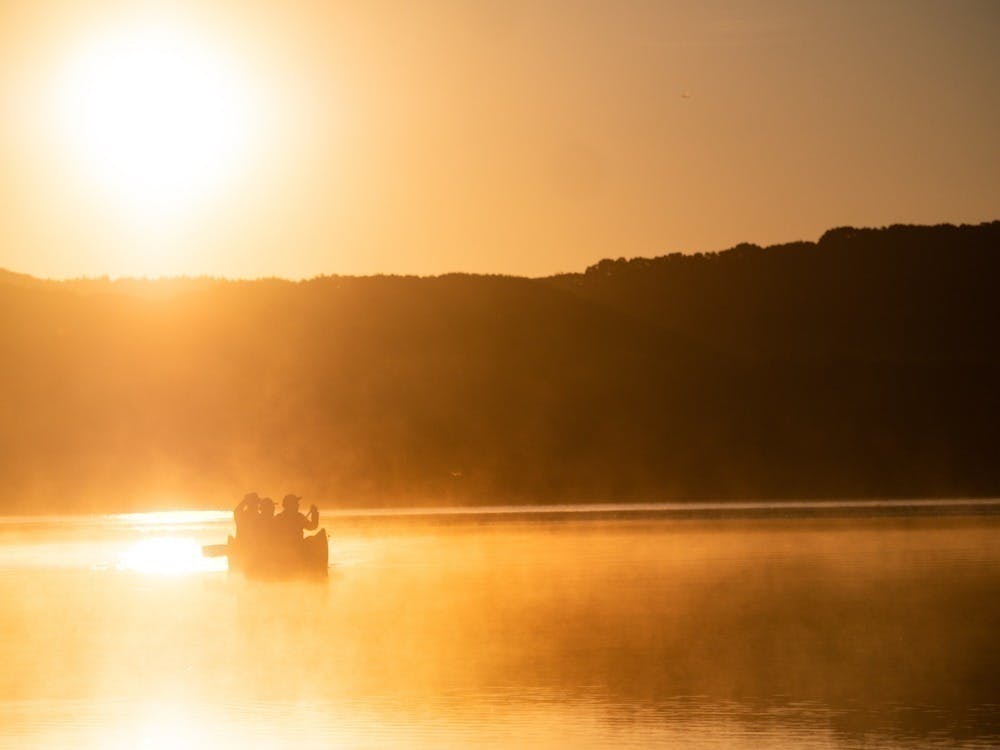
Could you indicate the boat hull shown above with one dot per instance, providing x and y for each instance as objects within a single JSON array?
[{"x": 308, "y": 559}]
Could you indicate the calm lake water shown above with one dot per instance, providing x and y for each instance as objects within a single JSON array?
[{"x": 754, "y": 628}]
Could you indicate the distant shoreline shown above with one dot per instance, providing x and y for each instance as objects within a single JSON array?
[
  {"x": 695, "y": 510},
  {"x": 722, "y": 509}
]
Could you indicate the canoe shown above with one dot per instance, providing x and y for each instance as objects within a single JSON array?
[{"x": 310, "y": 558}]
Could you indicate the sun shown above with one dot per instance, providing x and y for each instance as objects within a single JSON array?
[{"x": 158, "y": 117}]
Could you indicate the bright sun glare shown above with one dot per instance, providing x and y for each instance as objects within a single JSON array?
[
  {"x": 158, "y": 117},
  {"x": 167, "y": 555}
]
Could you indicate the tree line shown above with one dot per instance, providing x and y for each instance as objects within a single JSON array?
[{"x": 860, "y": 365}]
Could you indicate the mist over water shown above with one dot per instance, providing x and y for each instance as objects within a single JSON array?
[{"x": 571, "y": 630}]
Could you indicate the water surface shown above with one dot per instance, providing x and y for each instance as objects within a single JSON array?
[{"x": 596, "y": 628}]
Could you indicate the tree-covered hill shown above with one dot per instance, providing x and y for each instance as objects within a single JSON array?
[{"x": 861, "y": 365}]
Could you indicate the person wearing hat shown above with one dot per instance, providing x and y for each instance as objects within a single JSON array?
[{"x": 290, "y": 524}]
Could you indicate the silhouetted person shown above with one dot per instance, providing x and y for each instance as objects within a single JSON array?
[
  {"x": 246, "y": 515},
  {"x": 290, "y": 523},
  {"x": 266, "y": 530},
  {"x": 267, "y": 506}
]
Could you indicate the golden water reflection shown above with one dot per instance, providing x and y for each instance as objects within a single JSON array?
[
  {"x": 168, "y": 555},
  {"x": 761, "y": 633}
]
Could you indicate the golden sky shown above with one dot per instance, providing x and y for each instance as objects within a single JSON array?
[{"x": 245, "y": 138}]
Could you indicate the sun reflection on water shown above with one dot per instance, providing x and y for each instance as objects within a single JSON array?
[
  {"x": 168, "y": 555},
  {"x": 170, "y": 518}
]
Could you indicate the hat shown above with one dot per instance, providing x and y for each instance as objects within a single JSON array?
[
  {"x": 267, "y": 501},
  {"x": 251, "y": 496},
  {"x": 291, "y": 499}
]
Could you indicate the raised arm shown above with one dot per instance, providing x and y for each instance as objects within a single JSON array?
[
  {"x": 312, "y": 520},
  {"x": 247, "y": 505}
]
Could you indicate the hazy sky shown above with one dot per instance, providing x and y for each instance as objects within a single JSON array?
[{"x": 293, "y": 138}]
